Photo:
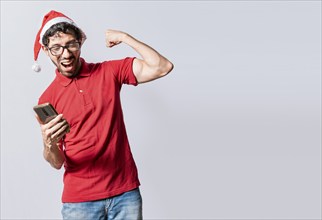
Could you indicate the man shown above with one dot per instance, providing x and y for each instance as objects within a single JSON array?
[{"x": 89, "y": 136}]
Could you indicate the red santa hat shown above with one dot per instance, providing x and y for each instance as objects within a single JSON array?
[{"x": 51, "y": 18}]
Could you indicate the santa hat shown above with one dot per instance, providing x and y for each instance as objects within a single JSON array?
[{"x": 53, "y": 17}]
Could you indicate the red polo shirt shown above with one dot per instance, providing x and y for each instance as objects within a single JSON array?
[{"x": 99, "y": 162}]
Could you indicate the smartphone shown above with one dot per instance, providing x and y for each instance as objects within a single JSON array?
[{"x": 46, "y": 113}]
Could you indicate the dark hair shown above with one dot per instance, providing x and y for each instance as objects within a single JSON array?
[{"x": 63, "y": 27}]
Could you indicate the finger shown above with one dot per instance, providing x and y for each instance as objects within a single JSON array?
[
  {"x": 60, "y": 133},
  {"x": 57, "y": 126},
  {"x": 58, "y": 138},
  {"x": 54, "y": 121},
  {"x": 110, "y": 44},
  {"x": 113, "y": 43}
]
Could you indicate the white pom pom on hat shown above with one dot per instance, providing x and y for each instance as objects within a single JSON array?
[
  {"x": 36, "y": 67},
  {"x": 51, "y": 18}
]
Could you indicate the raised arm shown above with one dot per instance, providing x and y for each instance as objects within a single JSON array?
[{"x": 151, "y": 66}]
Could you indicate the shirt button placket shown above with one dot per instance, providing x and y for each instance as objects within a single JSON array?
[{"x": 85, "y": 97}]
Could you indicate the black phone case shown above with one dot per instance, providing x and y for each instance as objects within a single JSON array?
[{"x": 46, "y": 112}]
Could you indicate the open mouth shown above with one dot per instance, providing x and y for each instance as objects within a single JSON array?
[{"x": 67, "y": 64}]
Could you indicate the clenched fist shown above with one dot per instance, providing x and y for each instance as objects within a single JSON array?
[{"x": 114, "y": 37}]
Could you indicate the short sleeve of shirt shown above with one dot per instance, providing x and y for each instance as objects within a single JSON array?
[
  {"x": 43, "y": 99},
  {"x": 123, "y": 71}
]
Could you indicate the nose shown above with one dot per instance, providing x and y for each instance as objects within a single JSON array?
[{"x": 66, "y": 53}]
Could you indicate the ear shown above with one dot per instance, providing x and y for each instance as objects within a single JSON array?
[{"x": 45, "y": 49}]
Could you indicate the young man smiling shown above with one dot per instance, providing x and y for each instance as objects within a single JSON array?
[{"x": 89, "y": 136}]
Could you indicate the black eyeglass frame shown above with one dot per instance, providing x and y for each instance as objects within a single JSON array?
[{"x": 67, "y": 47}]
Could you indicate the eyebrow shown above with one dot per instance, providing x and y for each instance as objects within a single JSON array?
[{"x": 68, "y": 42}]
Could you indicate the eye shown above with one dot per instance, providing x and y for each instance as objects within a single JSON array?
[
  {"x": 73, "y": 45},
  {"x": 55, "y": 48}
]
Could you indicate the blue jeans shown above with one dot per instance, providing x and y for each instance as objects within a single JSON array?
[{"x": 125, "y": 206}]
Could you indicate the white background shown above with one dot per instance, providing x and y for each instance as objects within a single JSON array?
[{"x": 234, "y": 132}]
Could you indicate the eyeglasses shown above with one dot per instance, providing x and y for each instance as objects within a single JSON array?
[{"x": 58, "y": 50}]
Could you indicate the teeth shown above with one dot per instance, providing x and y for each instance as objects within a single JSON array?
[{"x": 67, "y": 63}]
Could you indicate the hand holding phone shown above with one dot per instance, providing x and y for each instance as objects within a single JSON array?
[{"x": 46, "y": 113}]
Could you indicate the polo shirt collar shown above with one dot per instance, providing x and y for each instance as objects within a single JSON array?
[{"x": 65, "y": 81}]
